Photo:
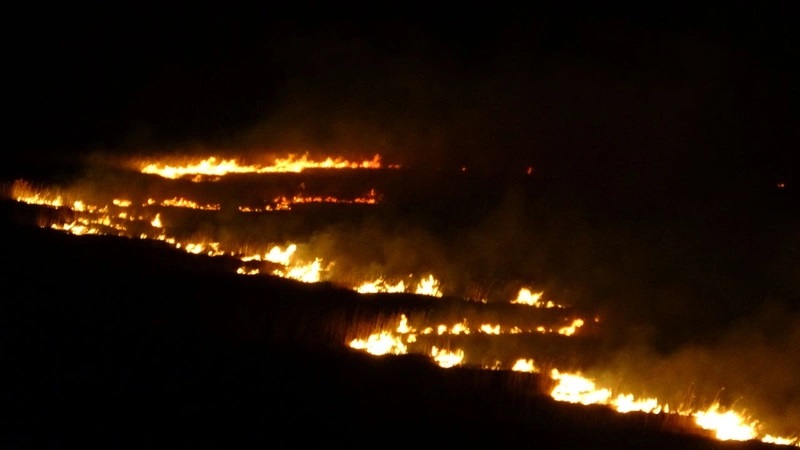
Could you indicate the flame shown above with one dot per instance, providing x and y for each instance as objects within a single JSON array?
[
  {"x": 156, "y": 222},
  {"x": 770, "y": 439},
  {"x": 524, "y": 365},
  {"x": 727, "y": 425},
  {"x": 574, "y": 388},
  {"x": 490, "y": 329},
  {"x": 279, "y": 256},
  {"x": 628, "y": 403},
  {"x": 184, "y": 203},
  {"x": 426, "y": 286},
  {"x": 380, "y": 344},
  {"x": 571, "y": 329},
  {"x": 218, "y": 168},
  {"x": 380, "y": 285},
  {"x": 429, "y": 286},
  {"x": 446, "y": 358},
  {"x": 526, "y": 297},
  {"x": 307, "y": 273}
]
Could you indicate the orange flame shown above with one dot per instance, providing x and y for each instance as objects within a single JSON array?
[{"x": 211, "y": 167}]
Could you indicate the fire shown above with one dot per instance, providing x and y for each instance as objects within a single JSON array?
[
  {"x": 184, "y": 203},
  {"x": 380, "y": 285},
  {"x": 380, "y": 344},
  {"x": 156, "y": 222},
  {"x": 628, "y": 403},
  {"x": 122, "y": 216},
  {"x": 296, "y": 270},
  {"x": 279, "y": 256},
  {"x": 446, "y": 358},
  {"x": 426, "y": 286},
  {"x": 524, "y": 365},
  {"x": 770, "y": 439},
  {"x": 284, "y": 203},
  {"x": 212, "y": 167},
  {"x": 429, "y": 286},
  {"x": 727, "y": 425},
  {"x": 526, "y": 297},
  {"x": 575, "y": 388},
  {"x": 571, "y": 329},
  {"x": 490, "y": 329}
]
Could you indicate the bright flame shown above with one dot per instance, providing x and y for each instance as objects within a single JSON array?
[
  {"x": 571, "y": 329},
  {"x": 446, "y": 358},
  {"x": 770, "y": 439},
  {"x": 526, "y": 297},
  {"x": 308, "y": 273},
  {"x": 278, "y": 256},
  {"x": 490, "y": 329},
  {"x": 217, "y": 168},
  {"x": 380, "y": 344},
  {"x": 627, "y": 403},
  {"x": 184, "y": 203},
  {"x": 380, "y": 285},
  {"x": 524, "y": 365},
  {"x": 727, "y": 425},
  {"x": 429, "y": 286},
  {"x": 574, "y": 388}
]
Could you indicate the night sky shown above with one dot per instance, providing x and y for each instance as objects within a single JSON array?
[{"x": 628, "y": 98}]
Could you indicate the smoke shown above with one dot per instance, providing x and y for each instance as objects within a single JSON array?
[{"x": 639, "y": 208}]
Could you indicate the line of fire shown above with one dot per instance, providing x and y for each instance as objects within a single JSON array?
[{"x": 264, "y": 216}]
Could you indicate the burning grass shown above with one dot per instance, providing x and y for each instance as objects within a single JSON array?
[{"x": 390, "y": 289}]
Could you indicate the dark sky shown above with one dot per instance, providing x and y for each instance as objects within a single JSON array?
[{"x": 635, "y": 95}]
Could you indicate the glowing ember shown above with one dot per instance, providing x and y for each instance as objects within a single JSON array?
[{"x": 217, "y": 168}]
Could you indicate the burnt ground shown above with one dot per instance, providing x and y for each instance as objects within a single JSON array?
[{"x": 121, "y": 342}]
